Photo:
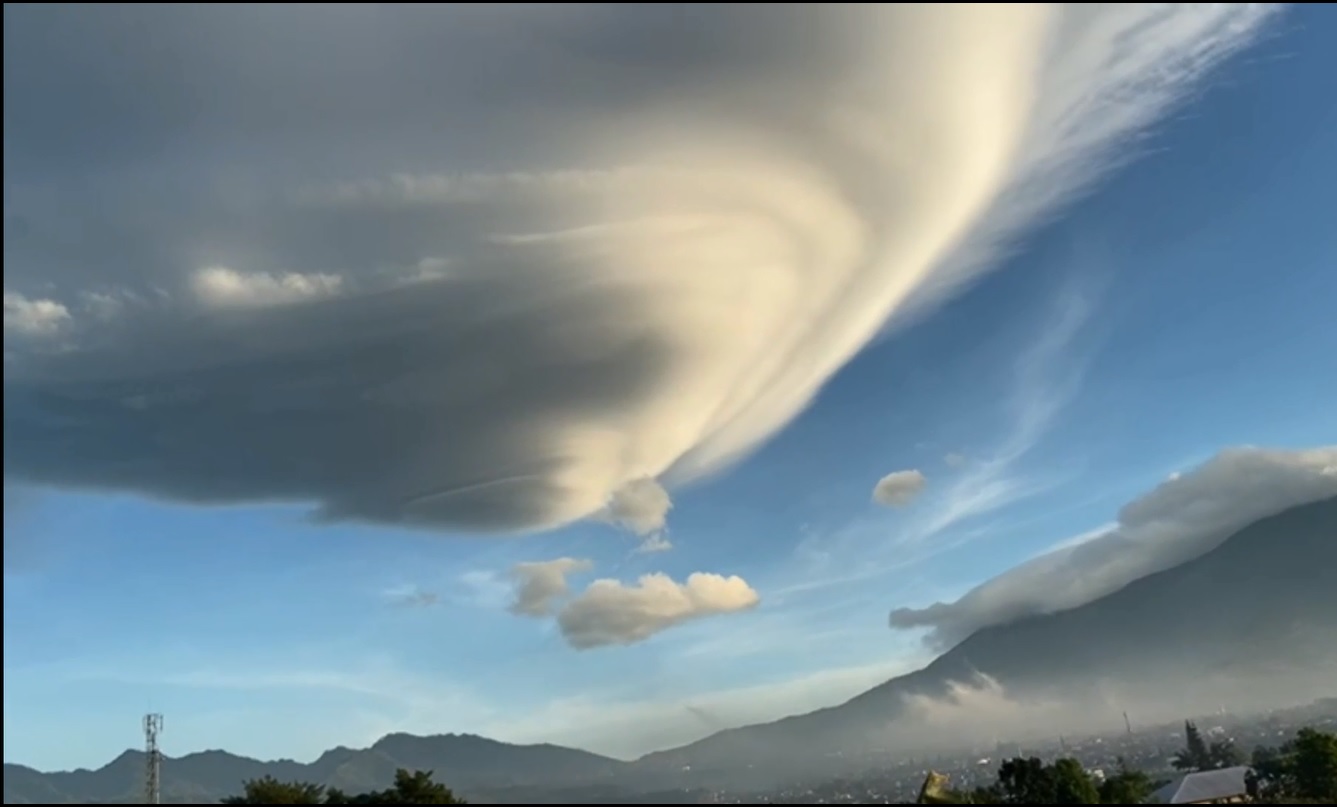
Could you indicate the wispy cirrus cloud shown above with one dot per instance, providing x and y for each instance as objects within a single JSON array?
[
  {"x": 1046, "y": 376},
  {"x": 409, "y": 595}
]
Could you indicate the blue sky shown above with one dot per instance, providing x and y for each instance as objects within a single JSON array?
[{"x": 1182, "y": 307}]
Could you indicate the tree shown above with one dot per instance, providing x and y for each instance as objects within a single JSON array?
[
  {"x": 1196, "y": 755},
  {"x": 1072, "y": 784},
  {"x": 409, "y": 788},
  {"x": 1304, "y": 768},
  {"x": 412, "y": 788},
  {"x": 1128, "y": 786},
  {"x": 1314, "y": 764},
  {"x": 268, "y": 790},
  {"x": 1027, "y": 781},
  {"x": 1223, "y": 754}
]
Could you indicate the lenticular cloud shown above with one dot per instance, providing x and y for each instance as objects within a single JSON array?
[{"x": 494, "y": 268}]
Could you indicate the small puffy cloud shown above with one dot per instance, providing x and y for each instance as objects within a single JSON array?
[
  {"x": 899, "y": 488},
  {"x": 641, "y": 505},
  {"x": 657, "y": 542},
  {"x": 540, "y": 585},
  {"x": 1185, "y": 516},
  {"x": 955, "y": 460},
  {"x": 609, "y": 612},
  {"x": 29, "y": 317},
  {"x": 220, "y": 286},
  {"x": 698, "y": 233}
]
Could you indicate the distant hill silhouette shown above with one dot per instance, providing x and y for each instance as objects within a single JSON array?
[
  {"x": 1261, "y": 602},
  {"x": 471, "y": 765}
]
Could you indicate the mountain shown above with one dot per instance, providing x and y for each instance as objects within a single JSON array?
[
  {"x": 1261, "y": 607},
  {"x": 485, "y": 770},
  {"x": 1258, "y": 608}
]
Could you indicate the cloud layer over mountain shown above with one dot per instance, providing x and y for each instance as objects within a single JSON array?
[
  {"x": 503, "y": 267},
  {"x": 1184, "y": 517}
]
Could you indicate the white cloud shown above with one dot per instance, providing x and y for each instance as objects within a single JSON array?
[
  {"x": 640, "y": 505},
  {"x": 218, "y": 285},
  {"x": 686, "y": 256},
  {"x": 28, "y": 317},
  {"x": 955, "y": 460},
  {"x": 899, "y": 488},
  {"x": 609, "y": 612},
  {"x": 540, "y": 585},
  {"x": 1184, "y": 517}
]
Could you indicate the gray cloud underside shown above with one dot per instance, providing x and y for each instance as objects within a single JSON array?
[{"x": 486, "y": 267}]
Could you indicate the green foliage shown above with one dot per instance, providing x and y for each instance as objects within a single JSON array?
[
  {"x": 1128, "y": 786},
  {"x": 1026, "y": 781},
  {"x": 1315, "y": 764},
  {"x": 409, "y": 788},
  {"x": 269, "y": 790},
  {"x": 1030, "y": 781},
  {"x": 1198, "y": 755},
  {"x": 1072, "y": 784},
  {"x": 1304, "y": 768}
]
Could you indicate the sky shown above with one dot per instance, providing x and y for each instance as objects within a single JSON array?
[{"x": 596, "y": 376}]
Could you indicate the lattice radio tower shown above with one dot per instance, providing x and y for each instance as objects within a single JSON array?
[{"x": 152, "y": 759}]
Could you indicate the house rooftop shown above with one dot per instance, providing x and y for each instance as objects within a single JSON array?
[{"x": 1204, "y": 787}]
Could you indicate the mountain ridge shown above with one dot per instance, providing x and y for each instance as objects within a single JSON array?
[
  {"x": 1159, "y": 606},
  {"x": 470, "y": 761}
]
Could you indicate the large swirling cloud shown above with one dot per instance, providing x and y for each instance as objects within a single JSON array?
[{"x": 485, "y": 267}]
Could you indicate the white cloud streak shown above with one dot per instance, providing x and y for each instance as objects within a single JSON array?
[
  {"x": 1045, "y": 379},
  {"x": 1182, "y": 518},
  {"x": 714, "y": 221},
  {"x": 220, "y": 286},
  {"x": 411, "y": 596}
]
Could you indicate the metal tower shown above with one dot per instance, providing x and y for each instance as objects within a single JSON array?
[{"x": 152, "y": 759}]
